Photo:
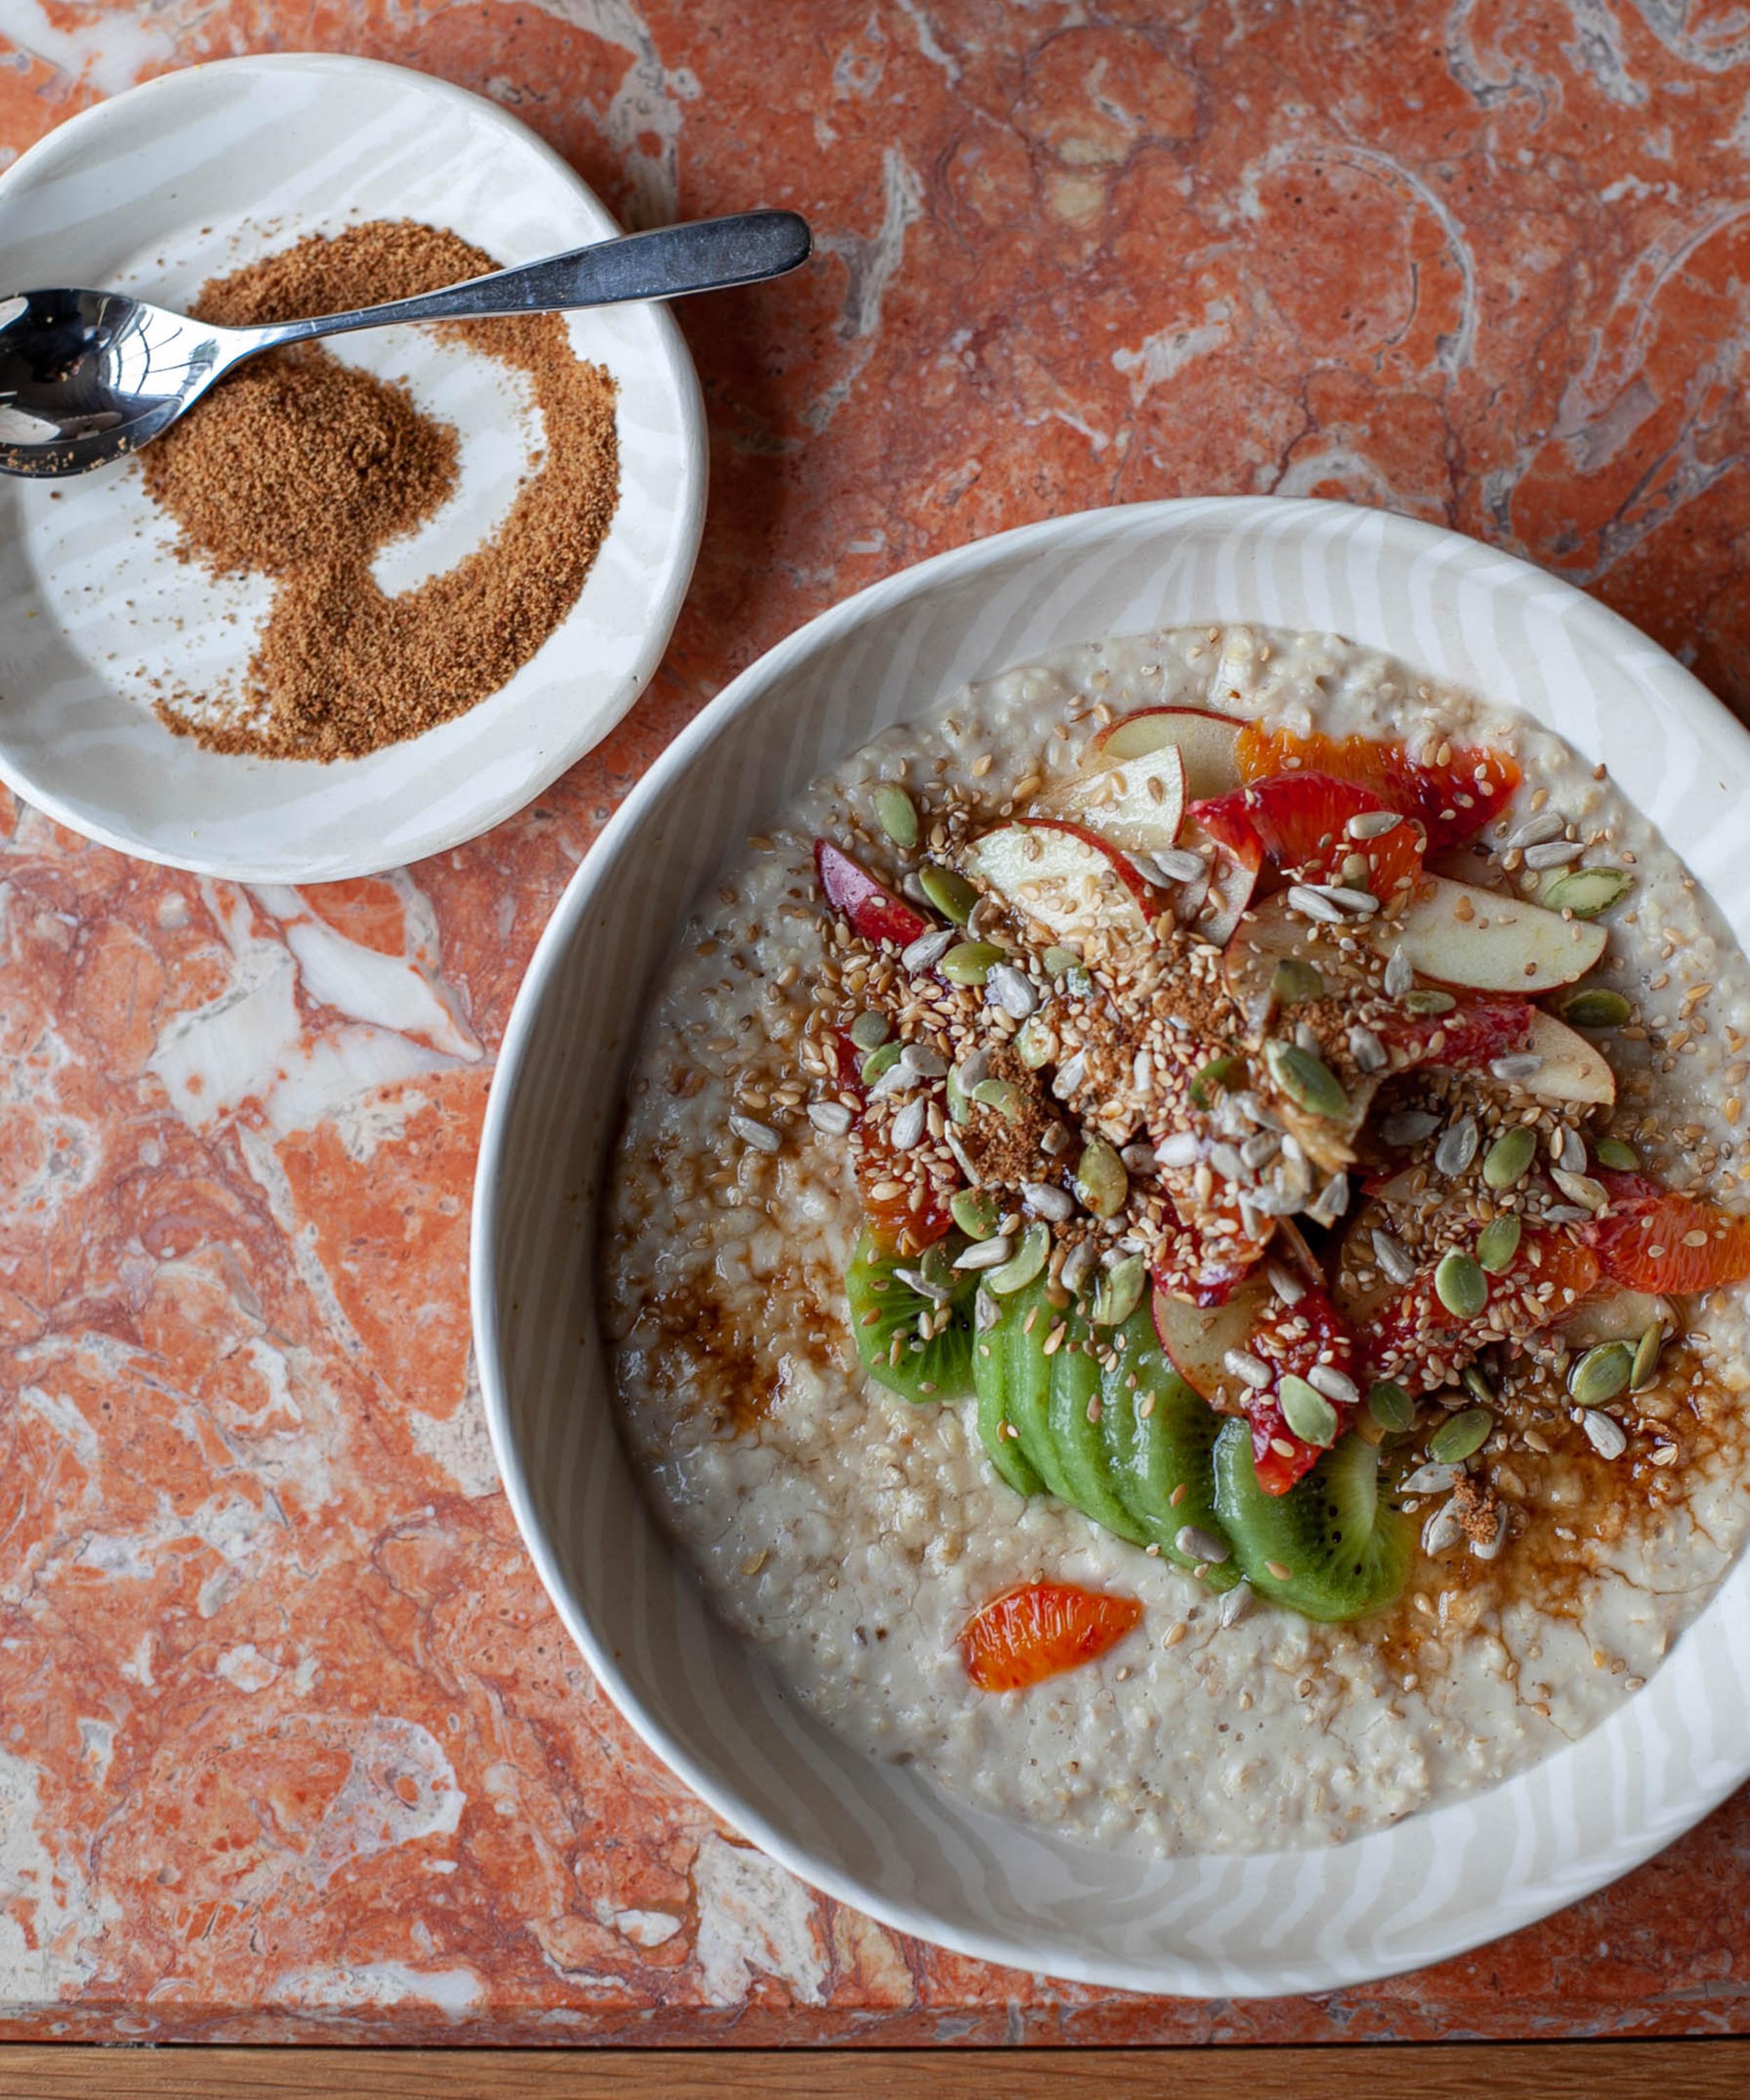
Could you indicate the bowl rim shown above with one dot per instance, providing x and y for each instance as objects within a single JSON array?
[
  {"x": 680, "y": 373},
  {"x": 487, "y": 1303}
]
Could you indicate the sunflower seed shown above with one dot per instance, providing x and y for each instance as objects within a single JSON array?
[
  {"x": 987, "y": 1254},
  {"x": 1179, "y": 1148},
  {"x": 1077, "y": 1263},
  {"x": 1227, "y": 1160},
  {"x": 929, "y": 948},
  {"x": 923, "y": 1062},
  {"x": 1565, "y": 1214},
  {"x": 1248, "y": 1369},
  {"x": 1286, "y": 1286},
  {"x": 1572, "y": 1155},
  {"x": 1070, "y": 1075},
  {"x": 831, "y": 1119},
  {"x": 1392, "y": 1256},
  {"x": 760, "y": 1135},
  {"x": 1179, "y": 864},
  {"x": 1010, "y": 989},
  {"x": 1355, "y": 903},
  {"x": 1535, "y": 829},
  {"x": 1260, "y": 1150},
  {"x": 1522, "y": 1064},
  {"x": 1486, "y": 1549},
  {"x": 1580, "y": 1188},
  {"x": 1372, "y": 823},
  {"x": 1442, "y": 1532},
  {"x": 906, "y": 1129},
  {"x": 1400, "y": 974},
  {"x": 1407, "y": 1126},
  {"x": 1557, "y": 853},
  {"x": 1367, "y": 1050},
  {"x": 1314, "y": 904},
  {"x": 1197, "y": 1544},
  {"x": 1334, "y": 1384},
  {"x": 1457, "y": 1146},
  {"x": 1306, "y": 1037},
  {"x": 1057, "y": 1205},
  {"x": 1604, "y": 1433},
  {"x": 1332, "y": 1201},
  {"x": 1434, "y": 1479},
  {"x": 1235, "y": 1605}
]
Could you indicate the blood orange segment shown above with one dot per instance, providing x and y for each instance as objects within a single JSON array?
[
  {"x": 1476, "y": 1030},
  {"x": 874, "y": 912},
  {"x": 1653, "y": 1239},
  {"x": 1414, "y": 1338},
  {"x": 1301, "y": 822},
  {"x": 1453, "y": 801},
  {"x": 1205, "y": 1261},
  {"x": 1311, "y": 1333},
  {"x": 1040, "y": 1629}
]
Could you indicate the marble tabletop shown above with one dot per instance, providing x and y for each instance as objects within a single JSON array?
[{"x": 291, "y": 1745}]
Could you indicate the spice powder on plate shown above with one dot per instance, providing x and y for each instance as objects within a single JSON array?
[{"x": 302, "y": 468}]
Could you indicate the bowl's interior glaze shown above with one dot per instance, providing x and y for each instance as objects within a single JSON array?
[{"x": 881, "y": 1837}]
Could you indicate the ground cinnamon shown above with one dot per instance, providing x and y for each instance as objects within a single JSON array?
[{"x": 303, "y": 468}]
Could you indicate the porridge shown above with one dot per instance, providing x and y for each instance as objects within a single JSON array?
[{"x": 1174, "y": 1255}]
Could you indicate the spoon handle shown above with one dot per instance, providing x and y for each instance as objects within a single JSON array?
[{"x": 705, "y": 255}]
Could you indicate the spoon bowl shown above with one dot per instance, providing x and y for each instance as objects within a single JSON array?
[{"x": 86, "y": 377}]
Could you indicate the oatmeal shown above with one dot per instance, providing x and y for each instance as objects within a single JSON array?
[{"x": 1174, "y": 1255}]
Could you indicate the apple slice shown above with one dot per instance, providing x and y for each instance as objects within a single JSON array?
[
  {"x": 1197, "y": 1338},
  {"x": 1573, "y": 1070},
  {"x": 1460, "y": 935},
  {"x": 1135, "y": 806},
  {"x": 1619, "y": 1315},
  {"x": 1272, "y": 933},
  {"x": 1205, "y": 742},
  {"x": 1069, "y": 881},
  {"x": 874, "y": 912},
  {"x": 1214, "y": 904}
]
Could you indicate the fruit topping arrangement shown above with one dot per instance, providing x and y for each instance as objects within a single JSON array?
[{"x": 1234, "y": 1123}]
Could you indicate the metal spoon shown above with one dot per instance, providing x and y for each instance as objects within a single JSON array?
[{"x": 86, "y": 377}]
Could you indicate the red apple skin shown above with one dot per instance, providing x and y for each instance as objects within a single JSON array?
[
  {"x": 1119, "y": 865},
  {"x": 874, "y": 912}
]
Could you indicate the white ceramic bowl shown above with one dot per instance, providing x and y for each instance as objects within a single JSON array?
[
  {"x": 191, "y": 176},
  {"x": 885, "y": 1838}
]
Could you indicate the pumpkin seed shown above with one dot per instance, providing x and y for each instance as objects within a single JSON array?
[
  {"x": 1612, "y": 1151},
  {"x": 869, "y": 1029},
  {"x": 936, "y": 1266},
  {"x": 1478, "y": 1385},
  {"x": 1596, "y": 1007},
  {"x": 1498, "y": 1242},
  {"x": 976, "y": 1211},
  {"x": 1509, "y": 1156},
  {"x": 970, "y": 963},
  {"x": 1101, "y": 1181},
  {"x": 1027, "y": 1261},
  {"x": 881, "y": 1059},
  {"x": 1058, "y": 962},
  {"x": 1308, "y": 1080},
  {"x": 1002, "y": 1095},
  {"x": 1219, "y": 1072},
  {"x": 1588, "y": 891},
  {"x": 1645, "y": 1368},
  {"x": 1293, "y": 983},
  {"x": 1390, "y": 1406},
  {"x": 897, "y": 814},
  {"x": 1306, "y": 1412},
  {"x": 1461, "y": 1286},
  {"x": 1427, "y": 999},
  {"x": 1601, "y": 1373},
  {"x": 1036, "y": 1044},
  {"x": 1461, "y": 1436},
  {"x": 1119, "y": 1291},
  {"x": 952, "y": 895}
]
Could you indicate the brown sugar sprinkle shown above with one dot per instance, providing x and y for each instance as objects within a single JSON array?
[{"x": 303, "y": 468}]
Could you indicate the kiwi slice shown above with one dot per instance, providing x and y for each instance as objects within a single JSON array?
[
  {"x": 1076, "y": 1412},
  {"x": 1160, "y": 1436},
  {"x": 1019, "y": 1376},
  {"x": 1004, "y": 1451},
  {"x": 1343, "y": 1547},
  {"x": 884, "y": 1307}
]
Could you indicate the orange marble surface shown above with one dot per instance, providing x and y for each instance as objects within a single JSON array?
[{"x": 291, "y": 1746}]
